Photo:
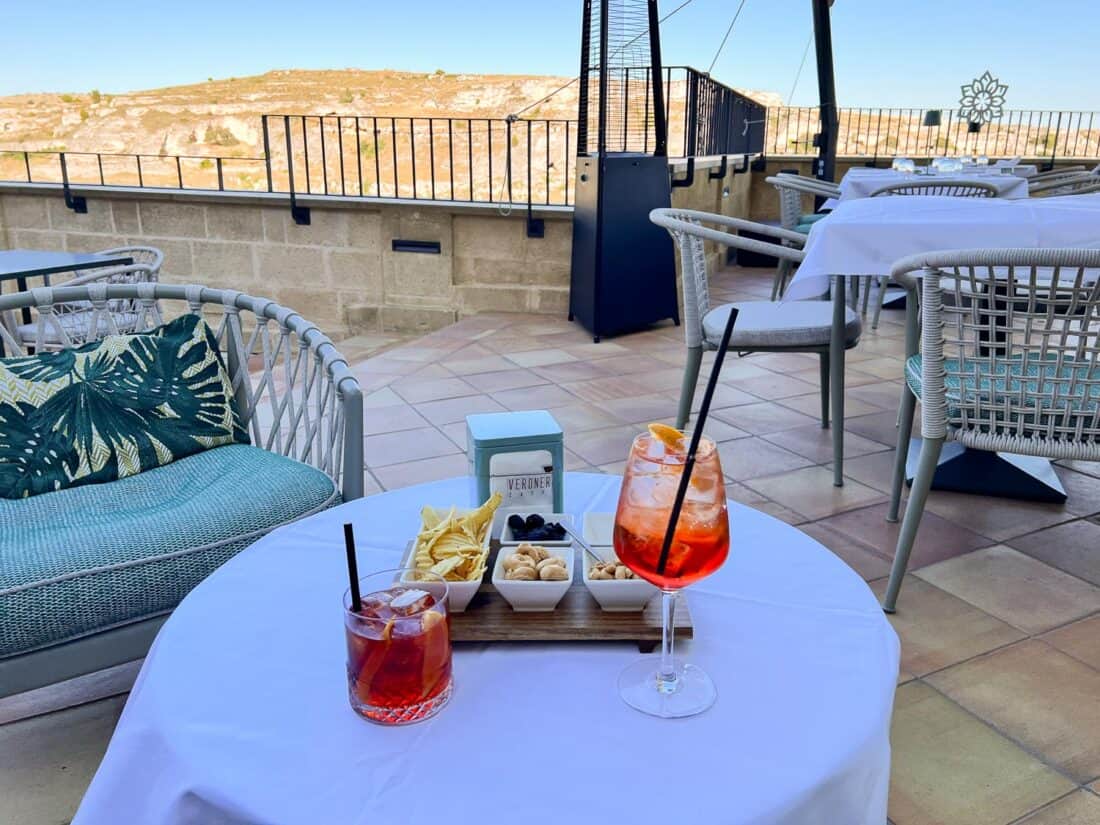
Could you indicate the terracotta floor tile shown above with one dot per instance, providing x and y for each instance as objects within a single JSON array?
[
  {"x": 456, "y": 409},
  {"x": 1037, "y": 695},
  {"x": 580, "y": 416},
  {"x": 869, "y": 565},
  {"x": 416, "y": 391},
  {"x": 483, "y": 364},
  {"x": 573, "y": 371},
  {"x": 608, "y": 389},
  {"x": 884, "y": 395},
  {"x": 1073, "y": 547},
  {"x": 408, "y": 445},
  {"x": 391, "y": 419},
  {"x": 949, "y": 768},
  {"x": 875, "y": 470},
  {"x": 666, "y": 379},
  {"x": 505, "y": 380},
  {"x": 1079, "y": 808},
  {"x": 1082, "y": 491},
  {"x": 724, "y": 396},
  {"x": 878, "y": 426},
  {"x": 938, "y": 630},
  {"x": 998, "y": 518},
  {"x": 541, "y": 397},
  {"x": 810, "y": 491},
  {"x": 816, "y": 443},
  {"x": 810, "y": 404},
  {"x": 604, "y": 349},
  {"x": 456, "y": 431},
  {"x": 782, "y": 361},
  {"x": 641, "y": 410},
  {"x": 853, "y": 376},
  {"x": 889, "y": 368},
  {"x": 384, "y": 397},
  {"x": 539, "y": 357},
  {"x": 937, "y": 538},
  {"x": 629, "y": 364},
  {"x": 752, "y": 457},
  {"x": 417, "y": 472},
  {"x": 1081, "y": 640},
  {"x": 1015, "y": 588},
  {"x": 603, "y": 446},
  {"x": 775, "y": 386},
  {"x": 1089, "y": 468},
  {"x": 764, "y": 417}
]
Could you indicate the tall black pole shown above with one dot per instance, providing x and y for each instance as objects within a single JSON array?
[
  {"x": 826, "y": 90},
  {"x": 660, "y": 129}
]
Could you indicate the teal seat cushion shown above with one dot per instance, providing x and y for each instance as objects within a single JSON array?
[
  {"x": 1047, "y": 384},
  {"x": 802, "y": 227},
  {"x": 812, "y": 217},
  {"x": 98, "y": 556}
]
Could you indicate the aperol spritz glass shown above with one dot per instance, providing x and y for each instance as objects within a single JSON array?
[{"x": 700, "y": 545}]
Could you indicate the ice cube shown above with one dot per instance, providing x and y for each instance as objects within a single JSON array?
[{"x": 410, "y": 601}]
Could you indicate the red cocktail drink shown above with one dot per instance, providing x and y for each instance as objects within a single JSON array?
[
  {"x": 399, "y": 649},
  {"x": 699, "y": 546}
]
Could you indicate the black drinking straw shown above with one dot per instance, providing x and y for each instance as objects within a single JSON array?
[
  {"x": 689, "y": 463},
  {"x": 353, "y": 568}
]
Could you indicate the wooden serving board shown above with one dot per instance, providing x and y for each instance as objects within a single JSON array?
[{"x": 577, "y": 618}]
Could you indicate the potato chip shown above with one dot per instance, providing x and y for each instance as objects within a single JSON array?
[{"x": 453, "y": 546}]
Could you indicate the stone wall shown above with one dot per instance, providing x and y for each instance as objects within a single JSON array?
[{"x": 340, "y": 271}]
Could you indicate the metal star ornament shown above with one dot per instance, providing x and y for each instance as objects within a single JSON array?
[{"x": 983, "y": 99}]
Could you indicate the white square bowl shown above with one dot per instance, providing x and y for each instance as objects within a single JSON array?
[
  {"x": 507, "y": 539},
  {"x": 618, "y": 595},
  {"x": 459, "y": 594},
  {"x": 533, "y": 596}
]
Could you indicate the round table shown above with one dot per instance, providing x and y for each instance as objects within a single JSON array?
[{"x": 240, "y": 713}]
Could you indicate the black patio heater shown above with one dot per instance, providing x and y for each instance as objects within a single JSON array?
[{"x": 623, "y": 274}]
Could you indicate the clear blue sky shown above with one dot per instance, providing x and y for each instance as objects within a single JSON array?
[{"x": 888, "y": 52}]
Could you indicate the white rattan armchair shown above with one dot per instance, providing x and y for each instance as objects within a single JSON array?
[
  {"x": 1004, "y": 355},
  {"x": 1082, "y": 183},
  {"x": 946, "y": 188},
  {"x": 294, "y": 391},
  {"x": 69, "y": 322},
  {"x": 148, "y": 256},
  {"x": 791, "y": 189},
  {"x": 762, "y": 326},
  {"x": 1054, "y": 174}
]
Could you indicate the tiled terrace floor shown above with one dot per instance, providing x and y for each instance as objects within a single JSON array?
[{"x": 997, "y": 718}]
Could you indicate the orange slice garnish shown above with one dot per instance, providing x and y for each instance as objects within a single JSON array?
[{"x": 671, "y": 437}]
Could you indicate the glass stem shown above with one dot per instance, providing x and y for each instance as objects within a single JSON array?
[{"x": 667, "y": 679}]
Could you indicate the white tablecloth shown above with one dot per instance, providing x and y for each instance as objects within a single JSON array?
[
  {"x": 865, "y": 237},
  {"x": 240, "y": 713},
  {"x": 860, "y": 182}
]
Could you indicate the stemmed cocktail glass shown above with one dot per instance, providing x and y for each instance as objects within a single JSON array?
[{"x": 699, "y": 547}]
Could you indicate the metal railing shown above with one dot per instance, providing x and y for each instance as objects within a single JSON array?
[
  {"x": 478, "y": 160},
  {"x": 887, "y": 133},
  {"x": 145, "y": 171},
  {"x": 508, "y": 160}
]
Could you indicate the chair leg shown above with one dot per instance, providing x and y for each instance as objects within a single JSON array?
[
  {"x": 824, "y": 390},
  {"x": 866, "y": 297},
  {"x": 779, "y": 283},
  {"x": 905, "y": 432},
  {"x": 929, "y": 458},
  {"x": 687, "y": 389},
  {"x": 882, "y": 284},
  {"x": 836, "y": 377}
]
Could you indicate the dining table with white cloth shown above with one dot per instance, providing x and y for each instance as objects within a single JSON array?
[
  {"x": 861, "y": 182},
  {"x": 240, "y": 713},
  {"x": 863, "y": 238}
]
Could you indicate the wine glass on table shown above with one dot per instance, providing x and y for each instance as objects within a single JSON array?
[{"x": 698, "y": 546}]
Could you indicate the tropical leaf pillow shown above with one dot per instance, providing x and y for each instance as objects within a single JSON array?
[{"x": 113, "y": 408}]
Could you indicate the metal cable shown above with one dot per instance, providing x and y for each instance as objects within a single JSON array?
[
  {"x": 722, "y": 45},
  {"x": 798, "y": 74},
  {"x": 565, "y": 86}
]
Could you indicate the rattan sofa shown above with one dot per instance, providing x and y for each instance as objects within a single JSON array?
[{"x": 89, "y": 573}]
